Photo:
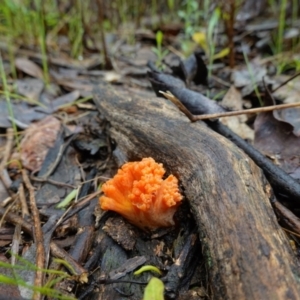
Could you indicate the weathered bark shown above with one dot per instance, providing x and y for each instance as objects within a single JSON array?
[{"x": 247, "y": 254}]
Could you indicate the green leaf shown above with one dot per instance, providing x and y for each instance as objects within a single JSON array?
[
  {"x": 147, "y": 268},
  {"x": 155, "y": 50},
  {"x": 8, "y": 280},
  {"x": 221, "y": 54},
  {"x": 181, "y": 14},
  {"x": 72, "y": 195},
  {"x": 165, "y": 53},
  {"x": 66, "y": 264},
  {"x": 159, "y": 38},
  {"x": 171, "y": 4},
  {"x": 154, "y": 290},
  {"x": 213, "y": 22}
]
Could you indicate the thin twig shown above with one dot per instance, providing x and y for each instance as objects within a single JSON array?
[
  {"x": 8, "y": 148},
  {"x": 25, "y": 211},
  {"x": 179, "y": 105},
  {"x": 38, "y": 237},
  {"x": 62, "y": 149},
  {"x": 269, "y": 93},
  {"x": 287, "y": 216},
  {"x": 220, "y": 81},
  {"x": 76, "y": 267},
  {"x": 15, "y": 245},
  {"x": 57, "y": 183},
  {"x": 285, "y": 82},
  {"x": 76, "y": 207},
  {"x": 6, "y": 212},
  {"x": 5, "y": 158},
  {"x": 277, "y": 177},
  {"x": 290, "y": 231},
  {"x": 4, "y": 177},
  {"x": 17, "y": 234},
  {"x": 195, "y": 118},
  {"x": 15, "y": 220}
]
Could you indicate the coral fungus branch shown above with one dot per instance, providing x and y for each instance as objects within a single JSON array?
[{"x": 139, "y": 193}]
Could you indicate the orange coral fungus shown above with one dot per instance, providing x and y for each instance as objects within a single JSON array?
[{"x": 140, "y": 195}]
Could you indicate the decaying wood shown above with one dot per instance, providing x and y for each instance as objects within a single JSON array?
[{"x": 248, "y": 256}]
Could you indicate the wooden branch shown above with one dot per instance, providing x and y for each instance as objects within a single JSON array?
[
  {"x": 38, "y": 237},
  {"x": 248, "y": 255},
  {"x": 195, "y": 118}
]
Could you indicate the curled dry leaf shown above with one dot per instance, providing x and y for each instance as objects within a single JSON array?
[
  {"x": 291, "y": 116},
  {"x": 30, "y": 88},
  {"x": 276, "y": 140},
  {"x": 29, "y": 67},
  {"x": 39, "y": 137},
  {"x": 233, "y": 99},
  {"x": 288, "y": 93}
]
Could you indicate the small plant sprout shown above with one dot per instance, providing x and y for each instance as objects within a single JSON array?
[
  {"x": 70, "y": 197},
  {"x": 155, "y": 287},
  {"x": 210, "y": 37},
  {"x": 40, "y": 23},
  {"x": 190, "y": 14},
  {"x": 160, "y": 53},
  {"x": 280, "y": 35},
  {"x": 206, "y": 40},
  {"x": 154, "y": 290},
  {"x": 147, "y": 269}
]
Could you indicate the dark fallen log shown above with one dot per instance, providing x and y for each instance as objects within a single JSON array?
[
  {"x": 195, "y": 105},
  {"x": 248, "y": 255}
]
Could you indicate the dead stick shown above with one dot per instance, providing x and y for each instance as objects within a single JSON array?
[
  {"x": 25, "y": 211},
  {"x": 288, "y": 217},
  {"x": 38, "y": 179},
  {"x": 16, "y": 220},
  {"x": 17, "y": 234},
  {"x": 6, "y": 155},
  {"x": 285, "y": 82},
  {"x": 195, "y": 118},
  {"x": 8, "y": 147},
  {"x": 38, "y": 237},
  {"x": 276, "y": 176},
  {"x": 76, "y": 268}
]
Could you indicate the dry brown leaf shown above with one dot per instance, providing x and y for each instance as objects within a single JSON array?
[
  {"x": 233, "y": 99},
  {"x": 29, "y": 67},
  {"x": 39, "y": 137},
  {"x": 30, "y": 88},
  {"x": 276, "y": 140},
  {"x": 291, "y": 116}
]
